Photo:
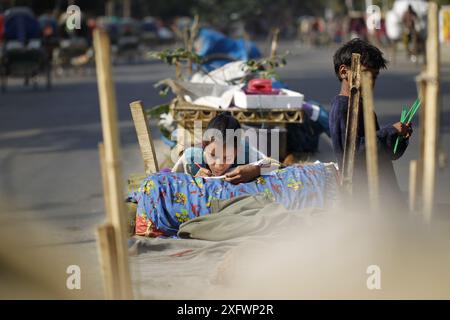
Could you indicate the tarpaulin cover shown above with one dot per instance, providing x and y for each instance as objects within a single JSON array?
[{"x": 214, "y": 43}]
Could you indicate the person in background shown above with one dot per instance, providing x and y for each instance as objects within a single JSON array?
[{"x": 410, "y": 36}]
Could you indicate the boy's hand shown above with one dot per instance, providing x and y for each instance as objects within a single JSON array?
[
  {"x": 403, "y": 129},
  {"x": 202, "y": 172},
  {"x": 243, "y": 173}
]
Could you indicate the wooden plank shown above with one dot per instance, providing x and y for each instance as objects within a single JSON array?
[
  {"x": 352, "y": 124},
  {"x": 370, "y": 139},
  {"x": 413, "y": 166},
  {"x": 106, "y": 246},
  {"x": 432, "y": 112},
  {"x": 144, "y": 137},
  {"x": 108, "y": 112}
]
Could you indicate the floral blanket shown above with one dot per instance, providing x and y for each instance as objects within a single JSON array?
[{"x": 166, "y": 200}]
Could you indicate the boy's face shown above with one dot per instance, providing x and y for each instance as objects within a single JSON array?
[
  {"x": 344, "y": 74},
  {"x": 218, "y": 158}
]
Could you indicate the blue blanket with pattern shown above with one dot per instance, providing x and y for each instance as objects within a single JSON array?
[{"x": 166, "y": 200}]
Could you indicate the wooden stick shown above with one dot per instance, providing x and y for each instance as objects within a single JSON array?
[
  {"x": 412, "y": 185},
  {"x": 108, "y": 112},
  {"x": 432, "y": 112},
  {"x": 106, "y": 245},
  {"x": 352, "y": 124},
  {"x": 144, "y": 137},
  {"x": 370, "y": 139}
]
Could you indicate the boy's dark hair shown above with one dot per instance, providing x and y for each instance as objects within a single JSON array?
[
  {"x": 371, "y": 56},
  {"x": 222, "y": 122}
]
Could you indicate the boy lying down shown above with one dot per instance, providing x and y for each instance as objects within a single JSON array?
[
  {"x": 205, "y": 176},
  {"x": 224, "y": 154}
]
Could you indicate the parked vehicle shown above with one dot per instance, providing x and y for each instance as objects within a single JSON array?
[{"x": 23, "y": 54}]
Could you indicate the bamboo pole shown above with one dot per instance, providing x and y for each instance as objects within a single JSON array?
[
  {"x": 106, "y": 241},
  {"x": 106, "y": 245},
  {"x": 352, "y": 124},
  {"x": 144, "y": 137},
  {"x": 421, "y": 89},
  {"x": 108, "y": 112},
  {"x": 370, "y": 141},
  {"x": 432, "y": 112}
]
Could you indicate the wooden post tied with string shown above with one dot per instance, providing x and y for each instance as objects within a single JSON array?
[{"x": 351, "y": 132}]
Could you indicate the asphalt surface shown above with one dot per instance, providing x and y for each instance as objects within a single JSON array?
[{"x": 49, "y": 166}]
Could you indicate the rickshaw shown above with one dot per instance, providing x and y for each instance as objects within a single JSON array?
[{"x": 23, "y": 54}]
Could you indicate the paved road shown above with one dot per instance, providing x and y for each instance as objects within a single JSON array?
[{"x": 49, "y": 171}]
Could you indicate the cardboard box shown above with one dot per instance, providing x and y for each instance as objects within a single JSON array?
[{"x": 286, "y": 99}]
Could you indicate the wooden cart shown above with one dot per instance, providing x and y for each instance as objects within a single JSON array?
[{"x": 187, "y": 114}]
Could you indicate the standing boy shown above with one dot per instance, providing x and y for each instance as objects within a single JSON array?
[{"x": 372, "y": 61}]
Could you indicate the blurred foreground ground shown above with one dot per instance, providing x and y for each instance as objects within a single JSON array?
[{"x": 49, "y": 167}]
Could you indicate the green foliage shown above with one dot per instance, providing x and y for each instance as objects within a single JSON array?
[
  {"x": 156, "y": 112},
  {"x": 266, "y": 67},
  {"x": 175, "y": 56}
]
